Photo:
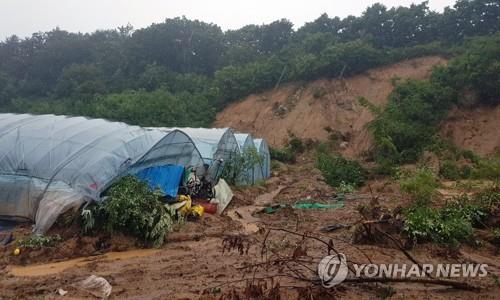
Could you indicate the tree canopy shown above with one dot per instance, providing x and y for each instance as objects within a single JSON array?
[{"x": 181, "y": 65}]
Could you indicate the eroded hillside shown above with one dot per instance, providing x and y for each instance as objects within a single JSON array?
[
  {"x": 474, "y": 129},
  {"x": 306, "y": 109}
]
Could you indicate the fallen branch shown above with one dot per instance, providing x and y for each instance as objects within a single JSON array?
[{"x": 401, "y": 248}]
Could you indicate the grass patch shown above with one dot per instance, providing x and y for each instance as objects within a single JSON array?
[{"x": 421, "y": 186}]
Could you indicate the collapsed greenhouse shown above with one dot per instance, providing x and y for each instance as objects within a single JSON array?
[{"x": 50, "y": 164}]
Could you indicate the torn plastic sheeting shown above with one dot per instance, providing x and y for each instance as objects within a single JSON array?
[
  {"x": 97, "y": 286},
  {"x": 223, "y": 196},
  {"x": 56, "y": 200},
  {"x": 27, "y": 198}
]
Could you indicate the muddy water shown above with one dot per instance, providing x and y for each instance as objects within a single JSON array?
[
  {"x": 53, "y": 268},
  {"x": 244, "y": 214}
]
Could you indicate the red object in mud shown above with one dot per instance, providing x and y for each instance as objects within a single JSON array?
[{"x": 210, "y": 208}]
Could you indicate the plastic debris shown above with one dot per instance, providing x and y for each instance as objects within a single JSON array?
[
  {"x": 7, "y": 239},
  {"x": 61, "y": 292},
  {"x": 197, "y": 210},
  {"x": 97, "y": 286},
  {"x": 223, "y": 196},
  {"x": 334, "y": 227}
]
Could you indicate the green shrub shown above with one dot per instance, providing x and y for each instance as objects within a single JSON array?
[
  {"x": 293, "y": 147},
  {"x": 470, "y": 155},
  {"x": 284, "y": 155},
  {"x": 489, "y": 199},
  {"x": 132, "y": 208},
  {"x": 496, "y": 236},
  {"x": 340, "y": 171},
  {"x": 450, "y": 225},
  {"x": 421, "y": 186},
  {"x": 487, "y": 169},
  {"x": 409, "y": 121},
  {"x": 238, "y": 170},
  {"x": 37, "y": 241},
  {"x": 476, "y": 70},
  {"x": 296, "y": 145},
  {"x": 450, "y": 170}
]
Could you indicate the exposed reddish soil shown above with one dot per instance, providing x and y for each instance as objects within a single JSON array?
[
  {"x": 476, "y": 129},
  {"x": 196, "y": 263},
  {"x": 306, "y": 109},
  {"x": 194, "y": 258}
]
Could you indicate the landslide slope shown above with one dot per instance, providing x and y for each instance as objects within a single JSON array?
[{"x": 306, "y": 109}]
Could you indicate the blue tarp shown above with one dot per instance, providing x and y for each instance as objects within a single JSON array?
[{"x": 166, "y": 178}]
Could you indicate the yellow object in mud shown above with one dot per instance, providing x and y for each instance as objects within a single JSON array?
[
  {"x": 187, "y": 207},
  {"x": 17, "y": 251},
  {"x": 197, "y": 210},
  {"x": 184, "y": 198}
]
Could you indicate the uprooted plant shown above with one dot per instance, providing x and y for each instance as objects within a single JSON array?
[
  {"x": 300, "y": 263},
  {"x": 38, "y": 241},
  {"x": 131, "y": 208}
]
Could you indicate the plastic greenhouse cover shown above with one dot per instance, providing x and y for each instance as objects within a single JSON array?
[
  {"x": 213, "y": 143},
  {"x": 75, "y": 159},
  {"x": 245, "y": 141},
  {"x": 263, "y": 149}
]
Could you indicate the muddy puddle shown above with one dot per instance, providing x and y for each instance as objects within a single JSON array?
[{"x": 57, "y": 267}]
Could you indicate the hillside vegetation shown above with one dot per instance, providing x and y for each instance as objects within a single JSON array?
[{"x": 180, "y": 72}]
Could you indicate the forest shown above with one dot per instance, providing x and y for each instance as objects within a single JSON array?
[{"x": 181, "y": 72}]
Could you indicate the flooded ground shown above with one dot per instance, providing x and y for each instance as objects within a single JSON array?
[{"x": 197, "y": 261}]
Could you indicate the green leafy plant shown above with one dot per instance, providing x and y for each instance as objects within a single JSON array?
[
  {"x": 450, "y": 225},
  {"x": 489, "y": 199},
  {"x": 131, "y": 208},
  {"x": 284, "y": 155},
  {"x": 421, "y": 186},
  {"x": 338, "y": 170},
  {"x": 346, "y": 188},
  {"x": 450, "y": 170},
  {"x": 239, "y": 169},
  {"x": 409, "y": 121},
  {"x": 496, "y": 236},
  {"x": 38, "y": 241},
  {"x": 288, "y": 153}
]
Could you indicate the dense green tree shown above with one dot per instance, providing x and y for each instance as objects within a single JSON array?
[
  {"x": 64, "y": 72},
  {"x": 477, "y": 70},
  {"x": 179, "y": 44},
  {"x": 80, "y": 82}
]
